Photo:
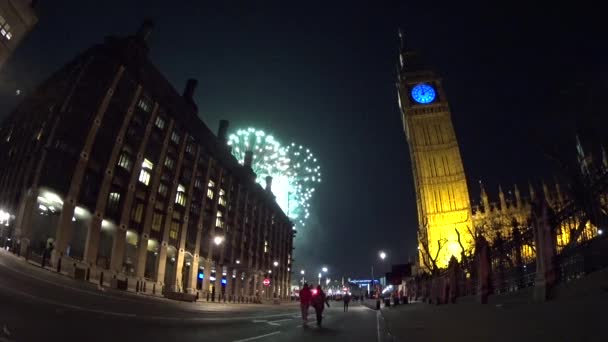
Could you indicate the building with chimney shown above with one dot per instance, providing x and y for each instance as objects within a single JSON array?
[
  {"x": 110, "y": 169},
  {"x": 17, "y": 19}
]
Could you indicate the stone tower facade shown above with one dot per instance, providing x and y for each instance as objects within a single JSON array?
[{"x": 442, "y": 196}]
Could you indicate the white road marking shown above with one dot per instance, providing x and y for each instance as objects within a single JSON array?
[
  {"x": 257, "y": 337},
  {"x": 378, "y": 324},
  {"x": 283, "y": 320}
]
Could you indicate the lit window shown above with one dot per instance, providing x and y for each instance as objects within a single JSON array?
[
  {"x": 157, "y": 220},
  {"x": 175, "y": 137},
  {"x": 113, "y": 201},
  {"x": 144, "y": 177},
  {"x": 147, "y": 164},
  {"x": 145, "y": 104},
  {"x": 222, "y": 199},
  {"x": 219, "y": 221},
  {"x": 180, "y": 198},
  {"x": 160, "y": 122},
  {"x": 137, "y": 212},
  {"x": 5, "y": 29},
  {"x": 173, "y": 232},
  {"x": 125, "y": 162},
  {"x": 169, "y": 162},
  {"x": 162, "y": 189},
  {"x": 190, "y": 148},
  {"x": 210, "y": 189},
  {"x": 265, "y": 246}
]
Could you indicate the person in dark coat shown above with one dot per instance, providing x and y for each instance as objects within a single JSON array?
[
  {"x": 319, "y": 300},
  {"x": 305, "y": 298},
  {"x": 346, "y": 300}
]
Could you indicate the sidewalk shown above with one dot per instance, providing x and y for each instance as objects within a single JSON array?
[
  {"x": 579, "y": 319},
  {"x": 48, "y": 274}
]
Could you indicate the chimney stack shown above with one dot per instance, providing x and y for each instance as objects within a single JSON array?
[
  {"x": 248, "y": 159},
  {"x": 268, "y": 183},
  {"x": 222, "y": 132},
  {"x": 190, "y": 87},
  {"x": 145, "y": 29}
]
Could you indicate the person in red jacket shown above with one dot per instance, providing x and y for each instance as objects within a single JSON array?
[{"x": 305, "y": 297}]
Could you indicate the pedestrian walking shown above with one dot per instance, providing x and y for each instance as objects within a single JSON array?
[
  {"x": 319, "y": 300},
  {"x": 305, "y": 297},
  {"x": 346, "y": 300}
]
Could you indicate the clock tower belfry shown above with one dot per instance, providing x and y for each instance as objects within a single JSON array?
[{"x": 442, "y": 196}]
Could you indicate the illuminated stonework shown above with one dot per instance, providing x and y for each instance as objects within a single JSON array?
[{"x": 442, "y": 196}]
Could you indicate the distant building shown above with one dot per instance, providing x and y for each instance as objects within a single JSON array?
[
  {"x": 17, "y": 18},
  {"x": 110, "y": 166}
]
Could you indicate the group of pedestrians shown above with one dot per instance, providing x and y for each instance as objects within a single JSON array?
[{"x": 316, "y": 298}]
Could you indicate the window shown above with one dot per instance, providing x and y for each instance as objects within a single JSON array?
[
  {"x": 175, "y": 137},
  {"x": 198, "y": 182},
  {"x": 162, "y": 189},
  {"x": 124, "y": 161},
  {"x": 180, "y": 198},
  {"x": 144, "y": 175},
  {"x": 137, "y": 212},
  {"x": 190, "y": 148},
  {"x": 265, "y": 246},
  {"x": 113, "y": 201},
  {"x": 174, "y": 231},
  {"x": 5, "y": 29},
  {"x": 169, "y": 162},
  {"x": 157, "y": 220},
  {"x": 145, "y": 104},
  {"x": 222, "y": 199},
  {"x": 160, "y": 122},
  {"x": 195, "y": 208},
  {"x": 210, "y": 189},
  {"x": 219, "y": 220}
]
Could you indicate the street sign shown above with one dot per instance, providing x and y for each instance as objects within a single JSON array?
[{"x": 266, "y": 282}]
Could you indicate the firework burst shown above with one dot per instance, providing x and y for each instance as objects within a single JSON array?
[{"x": 293, "y": 168}]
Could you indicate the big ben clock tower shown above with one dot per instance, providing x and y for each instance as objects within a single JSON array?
[{"x": 442, "y": 196}]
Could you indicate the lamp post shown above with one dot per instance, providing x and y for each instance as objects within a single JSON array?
[
  {"x": 382, "y": 256},
  {"x": 302, "y": 273}
]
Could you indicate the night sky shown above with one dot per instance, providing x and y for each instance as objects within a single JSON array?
[{"x": 324, "y": 76}]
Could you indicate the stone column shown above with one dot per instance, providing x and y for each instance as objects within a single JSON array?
[
  {"x": 206, "y": 276},
  {"x": 199, "y": 231},
  {"x": 24, "y": 219},
  {"x": 544, "y": 238},
  {"x": 193, "y": 276},
  {"x": 64, "y": 227},
  {"x": 118, "y": 244},
  {"x": 184, "y": 229},
  {"x": 94, "y": 227}
]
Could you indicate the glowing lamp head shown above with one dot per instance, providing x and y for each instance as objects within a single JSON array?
[
  {"x": 324, "y": 269},
  {"x": 276, "y": 263},
  {"x": 218, "y": 240},
  {"x": 382, "y": 255},
  {"x": 302, "y": 272}
]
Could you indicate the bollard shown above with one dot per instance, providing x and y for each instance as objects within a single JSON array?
[
  {"x": 88, "y": 275},
  {"x": 154, "y": 288},
  {"x": 137, "y": 286},
  {"x": 101, "y": 279},
  {"x": 207, "y": 296},
  {"x": 144, "y": 286},
  {"x": 59, "y": 265}
]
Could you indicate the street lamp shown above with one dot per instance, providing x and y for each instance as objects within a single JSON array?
[
  {"x": 319, "y": 278},
  {"x": 382, "y": 256},
  {"x": 218, "y": 240},
  {"x": 276, "y": 263},
  {"x": 302, "y": 272},
  {"x": 324, "y": 269}
]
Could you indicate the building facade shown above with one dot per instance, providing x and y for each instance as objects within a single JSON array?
[
  {"x": 17, "y": 19},
  {"x": 442, "y": 196},
  {"x": 109, "y": 167}
]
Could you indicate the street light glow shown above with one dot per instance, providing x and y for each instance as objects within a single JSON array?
[
  {"x": 218, "y": 240},
  {"x": 302, "y": 272},
  {"x": 276, "y": 263},
  {"x": 324, "y": 269},
  {"x": 382, "y": 255}
]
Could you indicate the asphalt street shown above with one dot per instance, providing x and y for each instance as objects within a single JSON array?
[{"x": 38, "y": 304}]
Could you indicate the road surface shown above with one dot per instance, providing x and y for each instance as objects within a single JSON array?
[{"x": 37, "y": 304}]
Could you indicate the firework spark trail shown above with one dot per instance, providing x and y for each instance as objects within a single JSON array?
[{"x": 293, "y": 167}]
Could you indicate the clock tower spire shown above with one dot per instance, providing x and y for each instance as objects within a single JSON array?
[{"x": 442, "y": 195}]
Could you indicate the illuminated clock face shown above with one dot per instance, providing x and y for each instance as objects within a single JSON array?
[{"x": 423, "y": 93}]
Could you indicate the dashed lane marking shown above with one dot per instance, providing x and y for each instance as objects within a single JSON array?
[{"x": 258, "y": 337}]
